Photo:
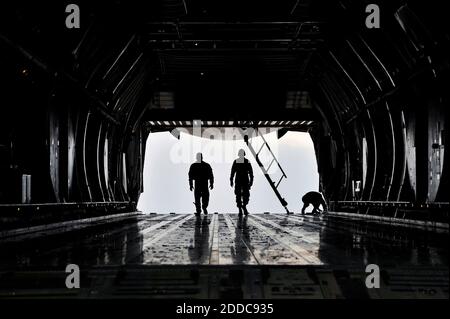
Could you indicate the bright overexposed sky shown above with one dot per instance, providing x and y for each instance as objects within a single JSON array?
[{"x": 167, "y": 162}]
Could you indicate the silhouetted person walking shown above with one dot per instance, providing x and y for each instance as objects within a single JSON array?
[
  {"x": 243, "y": 181},
  {"x": 200, "y": 173},
  {"x": 316, "y": 199}
]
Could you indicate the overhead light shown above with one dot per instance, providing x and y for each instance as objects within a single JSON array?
[{"x": 25, "y": 72}]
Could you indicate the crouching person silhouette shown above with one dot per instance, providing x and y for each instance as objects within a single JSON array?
[
  {"x": 316, "y": 199},
  {"x": 242, "y": 175},
  {"x": 200, "y": 173}
]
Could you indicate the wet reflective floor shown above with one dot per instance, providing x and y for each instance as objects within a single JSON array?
[
  {"x": 227, "y": 256},
  {"x": 227, "y": 239}
]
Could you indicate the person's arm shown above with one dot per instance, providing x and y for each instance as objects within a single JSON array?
[
  {"x": 304, "y": 207},
  {"x": 250, "y": 173},
  {"x": 191, "y": 177},
  {"x": 324, "y": 204},
  {"x": 233, "y": 172},
  {"x": 211, "y": 177}
]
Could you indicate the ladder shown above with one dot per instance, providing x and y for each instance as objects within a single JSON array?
[{"x": 265, "y": 170}]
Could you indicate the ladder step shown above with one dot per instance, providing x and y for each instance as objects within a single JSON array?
[
  {"x": 279, "y": 181},
  {"x": 270, "y": 165},
  {"x": 260, "y": 149}
]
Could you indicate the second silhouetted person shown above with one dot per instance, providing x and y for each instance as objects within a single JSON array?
[
  {"x": 243, "y": 171},
  {"x": 200, "y": 173}
]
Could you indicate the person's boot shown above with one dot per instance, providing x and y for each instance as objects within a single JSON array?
[
  {"x": 205, "y": 211},
  {"x": 240, "y": 210},
  {"x": 197, "y": 209},
  {"x": 245, "y": 210}
]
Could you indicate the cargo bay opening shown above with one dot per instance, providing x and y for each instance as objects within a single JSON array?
[{"x": 170, "y": 154}]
